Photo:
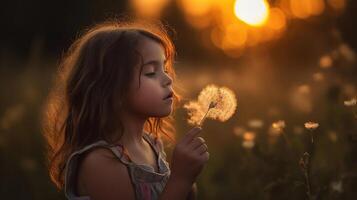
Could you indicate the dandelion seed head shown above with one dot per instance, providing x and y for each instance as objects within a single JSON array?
[
  {"x": 279, "y": 125},
  {"x": 220, "y": 101},
  {"x": 311, "y": 125},
  {"x": 351, "y": 102}
]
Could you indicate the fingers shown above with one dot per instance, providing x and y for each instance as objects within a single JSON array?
[
  {"x": 201, "y": 149},
  {"x": 196, "y": 142},
  {"x": 205, "y": 156},
  {"x": 192, "y": 134}
]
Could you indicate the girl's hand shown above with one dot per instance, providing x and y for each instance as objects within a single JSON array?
[{"x": 189, "y": 156}]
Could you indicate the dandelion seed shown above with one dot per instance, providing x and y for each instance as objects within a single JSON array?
[
  {"x": 277, "y": 128},
  {"x": 279, "y": 125},
  {"x": 311, "y": 125},
  {"x": 351, "y": 102},
  {"x": 213, "y": 102}
]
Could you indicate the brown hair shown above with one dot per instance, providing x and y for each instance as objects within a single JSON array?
[{"x": 95, "y": 71}]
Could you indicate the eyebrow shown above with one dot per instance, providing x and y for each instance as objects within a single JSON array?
[{"x": 154, "y": 62}]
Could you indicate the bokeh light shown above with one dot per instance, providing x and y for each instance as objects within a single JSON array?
[{"x": 252, "y": 12}]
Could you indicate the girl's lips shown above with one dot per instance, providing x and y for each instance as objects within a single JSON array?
[
  {"x": 169, "y": 96},
  {"x": 168, "y": 99}
]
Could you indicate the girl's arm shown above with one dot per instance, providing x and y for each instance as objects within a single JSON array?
[
  {"x": 104, "y": 178},
  {"x": 179, "y": 190},
  {"x": 176, "y": 189},
  {"x": 188, "y": 159}
]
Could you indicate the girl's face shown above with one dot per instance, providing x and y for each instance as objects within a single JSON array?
[{"x": 148, "y": 99}]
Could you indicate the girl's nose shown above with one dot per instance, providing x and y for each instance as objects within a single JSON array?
[{"x": 168, "y": 80}]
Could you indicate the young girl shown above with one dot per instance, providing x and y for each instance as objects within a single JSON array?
[{"x": 108, "y": 112}]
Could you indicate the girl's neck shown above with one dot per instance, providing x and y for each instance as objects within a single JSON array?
[{"x": 133, "y": 129}]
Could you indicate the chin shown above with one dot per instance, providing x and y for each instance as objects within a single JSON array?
[{"x": 163, "y": 113}]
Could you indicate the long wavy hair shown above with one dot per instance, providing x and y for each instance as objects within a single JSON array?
[{"x": 92, "y": 76}]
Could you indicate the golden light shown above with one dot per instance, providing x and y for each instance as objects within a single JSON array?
[
  {"x": 337, "y": 4},
  {"x": 252, "y": 12},
  {"x": 149, "y": 8},
  {"x": 235, "y": 25},
  {"x": 196, "y": 7},
  {"x": 306, "y": 8},
  {"x": 277, "y": 19},
  {"x": 249, "y": 136}
]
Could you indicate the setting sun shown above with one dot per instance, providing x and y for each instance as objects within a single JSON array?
[{"x": 252, "y": 12}]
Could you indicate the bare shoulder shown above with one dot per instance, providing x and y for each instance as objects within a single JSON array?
[{"x": 103, "y": 176}]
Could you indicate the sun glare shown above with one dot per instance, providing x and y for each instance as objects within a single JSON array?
[{"x": 252, "y": 12}]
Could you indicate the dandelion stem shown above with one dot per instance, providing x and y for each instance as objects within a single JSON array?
[
  {"x": 305, "y": 163},
  {"x": 204, "y": 117},
  {"x": 308, "y": 185},
  {"x": 312, "y": 137},
  {"x": 211, "y": 105},
  {"x": 305, "y": 166}
]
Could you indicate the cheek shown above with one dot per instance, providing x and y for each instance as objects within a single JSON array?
[
  {"x": 147, "y": 97},
  {"x": 149, "y": 90}
]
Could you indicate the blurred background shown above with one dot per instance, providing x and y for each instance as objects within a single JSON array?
[{"x": 287, "y": 60}]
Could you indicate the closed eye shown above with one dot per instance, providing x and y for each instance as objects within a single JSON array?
[{"x": 150, "y": 74}]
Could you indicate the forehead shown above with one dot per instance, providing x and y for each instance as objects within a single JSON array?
[{"x": 151, "y": 50}]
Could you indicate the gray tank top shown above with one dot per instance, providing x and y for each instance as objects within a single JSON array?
[{"x": 147, "y": 183}]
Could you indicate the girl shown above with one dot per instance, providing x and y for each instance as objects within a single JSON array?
[{"x": 111, "y": 107}]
